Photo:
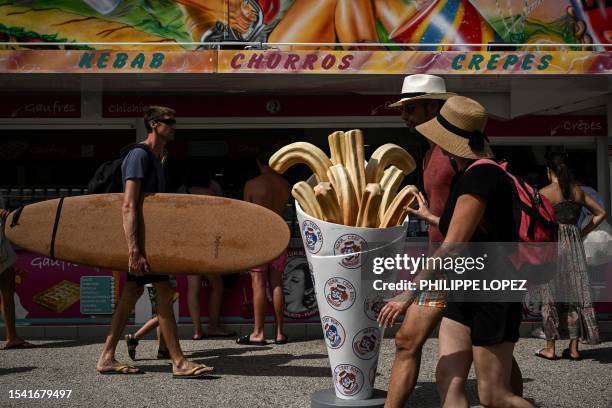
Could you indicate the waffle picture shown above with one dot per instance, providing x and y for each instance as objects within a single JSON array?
[{"x": 59, "y": 297}]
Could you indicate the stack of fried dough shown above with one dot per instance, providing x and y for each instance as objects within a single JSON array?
[{"x": 348, "y": 191}]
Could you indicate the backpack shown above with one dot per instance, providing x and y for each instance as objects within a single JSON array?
[
  {"x": 536, "y": 255},
  {"x": 107, "y": 178}
]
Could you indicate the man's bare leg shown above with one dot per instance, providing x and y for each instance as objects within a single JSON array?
[
  {"x": 278, "y": 300},
  {"x": 194, "y": 285},
  {"x": 418, "y": 324},
  {"x": 161, "y": 342},
  {"x": 455, "y": 350},
  {"x": 167, "y": 325},
  {"x": 258, "y": 282},
  {"x": 215, "y": 300},
  {"x": 129, "y": 296},
  {"x": 7, "y": 291},
  {"x": 492, "y": 365},
  {"x": 516, "y": 379},
  {"x": 151, "y": 324}
]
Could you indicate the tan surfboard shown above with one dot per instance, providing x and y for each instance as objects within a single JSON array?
[{"x": 181, "y": 233}]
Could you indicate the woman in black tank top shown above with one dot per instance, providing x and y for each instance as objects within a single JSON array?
[{"x": 479, "y": 209}]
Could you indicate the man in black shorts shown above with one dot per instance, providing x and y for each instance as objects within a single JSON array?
[{"x": 142, "y": 172}]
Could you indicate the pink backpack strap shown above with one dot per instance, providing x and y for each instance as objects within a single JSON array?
[{"x": 478, "y": 162}]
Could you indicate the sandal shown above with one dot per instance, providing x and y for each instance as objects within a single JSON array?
[
  {"x": 285, "y": 340},
  {"x": 246, "y": 341},
  {"x": 23, "y": 345},
  {"x": 121, "y": 369},
  {"x": 539, "y": 354},
  {"x": 131, "y": 342},
  {"x": 568, "y": 354},
  {"x": 191, "y": 373}
]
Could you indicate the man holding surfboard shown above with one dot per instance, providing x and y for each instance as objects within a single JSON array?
[{"x": 142, "y": 172}]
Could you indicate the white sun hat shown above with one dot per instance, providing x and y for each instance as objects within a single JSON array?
[{"x": 422, "y": 86}]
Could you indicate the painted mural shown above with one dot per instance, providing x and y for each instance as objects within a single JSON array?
[{"x": 290, "y": 22}]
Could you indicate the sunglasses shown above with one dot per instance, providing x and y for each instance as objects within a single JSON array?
[
  {"x": 168, "y": 121},
  {"x": 408, "y": 108}
]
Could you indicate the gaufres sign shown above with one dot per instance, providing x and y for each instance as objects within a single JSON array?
[{"x": 41, "y": 106}]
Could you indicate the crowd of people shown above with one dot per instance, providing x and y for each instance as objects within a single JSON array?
[{"x": 461, "y": 202}]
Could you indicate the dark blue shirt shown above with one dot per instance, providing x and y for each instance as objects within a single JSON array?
[{"x": 137, "y": 166}]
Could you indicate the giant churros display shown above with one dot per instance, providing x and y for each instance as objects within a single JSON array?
[
  {"x": 349, "y": 213},
  {"x": 366, "y": 195}
]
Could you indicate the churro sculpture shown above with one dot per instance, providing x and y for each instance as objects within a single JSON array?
[{"x": 347, "y": 191}]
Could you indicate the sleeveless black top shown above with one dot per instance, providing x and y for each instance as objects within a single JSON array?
[{"x": 568, "y": 212}]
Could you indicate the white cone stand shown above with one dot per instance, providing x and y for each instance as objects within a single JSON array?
[{"x": 340, "y": 259}]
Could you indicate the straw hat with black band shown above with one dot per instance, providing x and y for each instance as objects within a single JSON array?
[{"x": 459, "y": 129}]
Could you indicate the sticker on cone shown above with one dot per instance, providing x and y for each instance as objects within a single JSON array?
[
  {"x": 313, "y": 237},
  {"x": 334, "y": 332},
  {"x": 348, "y": 379},
  {"x": 366, "y": 343},
  {"x": 373, "y": 304},
  {"x": 353, "y": 246},
  {"x": 339, "y": 293}
]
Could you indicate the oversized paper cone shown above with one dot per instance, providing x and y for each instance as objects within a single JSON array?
[{"x": 341, "y": 261}]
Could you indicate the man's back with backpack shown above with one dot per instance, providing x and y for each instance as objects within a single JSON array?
[{"x": 108, "y": 176}]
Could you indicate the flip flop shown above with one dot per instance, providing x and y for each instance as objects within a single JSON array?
[
  {"x": 24, "y": 345},
  {"x": 567, "y": 354},
  {"x": 191, "y": 373},
  {"x": 539, "y": 354},
  {"x": 120, "y": 370},
  {"x": 283, "y": 341},
  {"x": 246, "y": 341},
  {"x": 131, "y": 344}
]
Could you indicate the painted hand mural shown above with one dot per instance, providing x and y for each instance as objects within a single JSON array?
[{"x": 388, "y": 22}]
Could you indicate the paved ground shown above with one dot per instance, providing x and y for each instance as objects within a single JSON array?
[{"x": 274, "y": 376}]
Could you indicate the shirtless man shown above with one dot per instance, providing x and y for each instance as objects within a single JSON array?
[
  {"x": 421, "y": 100},
  {"x": 269, "y": 190}
]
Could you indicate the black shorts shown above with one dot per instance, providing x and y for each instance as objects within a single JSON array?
[
  {"x": 146, "y": 278},
  {"x": 490, "y": 323}
]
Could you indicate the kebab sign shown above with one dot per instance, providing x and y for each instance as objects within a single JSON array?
[{"x": 350, "y": 213}]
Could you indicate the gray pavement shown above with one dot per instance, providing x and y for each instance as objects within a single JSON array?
[{"x": 270, "y": 376}]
